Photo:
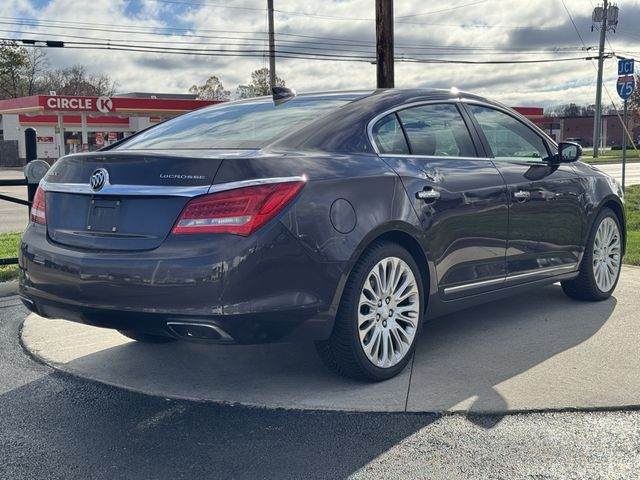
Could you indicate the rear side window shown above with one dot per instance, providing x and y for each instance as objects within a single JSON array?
[
  {"x": 437, "y": 130},
  {"x": 508, "y": 137},
  {"x": 250, "y": 124},
  {"x": 389, "y": 136}
]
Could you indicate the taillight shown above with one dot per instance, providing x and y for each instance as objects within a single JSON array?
[
  {"x": 39, "y": 207},
  {"x": 240, "y": 211}
]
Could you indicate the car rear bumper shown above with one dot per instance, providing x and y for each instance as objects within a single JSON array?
[
  {"x": 300, "y": 324},
  {"x": 224, "y": 288}
]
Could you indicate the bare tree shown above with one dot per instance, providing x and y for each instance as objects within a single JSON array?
[
  {"x": 37, "y": 64},
  {"x": 13, "y": 62},
  {"x": 76, "y": 81},
  {"x": 259, "y": 84},
  {"x": 211, "y": 90}
]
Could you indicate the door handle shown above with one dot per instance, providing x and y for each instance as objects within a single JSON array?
[
  {"x": 429, "y": 195},
  {"x": 522, "y": 195}
]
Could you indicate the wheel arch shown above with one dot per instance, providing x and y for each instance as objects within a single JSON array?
[
  {"x": 614, "y": 204},
  {"x": 404, "y": 235}
]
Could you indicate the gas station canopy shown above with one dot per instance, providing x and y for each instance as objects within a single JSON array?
[
  {"x": 91, "y": 117},
  {"x": 129, "y": 106}
]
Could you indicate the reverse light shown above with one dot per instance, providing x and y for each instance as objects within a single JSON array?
[
  {"x": 240, "y": 211},
  {"x": 39, "y": 207}
]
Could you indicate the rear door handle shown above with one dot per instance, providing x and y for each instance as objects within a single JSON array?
[
  {"x": 522, "y": 195},
  {"x": 428, "y": 194}
]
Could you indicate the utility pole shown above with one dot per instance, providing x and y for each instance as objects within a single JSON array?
[
  {"x": 607, "y": 18},
  {"x": 384, "y": 44},
  {"x": 272, "y": 47},
  {"x": 596, "y": 118}
]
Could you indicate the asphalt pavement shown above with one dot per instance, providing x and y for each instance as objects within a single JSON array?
[{"x": 56, "y": 426}]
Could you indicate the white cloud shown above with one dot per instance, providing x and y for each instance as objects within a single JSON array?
[{"x": 496, "y": 30}]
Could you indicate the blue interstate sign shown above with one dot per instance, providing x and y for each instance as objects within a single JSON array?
[
  {"x": 625, "y": 66},
  {"x": 625, "y": 86}
]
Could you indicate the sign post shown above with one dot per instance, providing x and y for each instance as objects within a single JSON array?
[{"x": 625, "y": 87}]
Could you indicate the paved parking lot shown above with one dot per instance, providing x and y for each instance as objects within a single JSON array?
[
  {"x": 57, "y": 426},
  {"x": 536, "y": 351}
]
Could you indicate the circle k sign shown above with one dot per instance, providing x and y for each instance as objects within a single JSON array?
[{"x": 104, "y": 104}]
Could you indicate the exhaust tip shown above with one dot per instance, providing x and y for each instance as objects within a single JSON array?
[
  {"x": 31, "y": 306},
  {"x": 203, "y": 332}
]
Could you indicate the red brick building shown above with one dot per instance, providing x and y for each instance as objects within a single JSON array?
[{"x": 580, "y": 129}]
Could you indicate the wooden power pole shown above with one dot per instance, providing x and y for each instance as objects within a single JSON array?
[
  {"x": 272, "y": 47},
  {"x": 384, "y": 44}
]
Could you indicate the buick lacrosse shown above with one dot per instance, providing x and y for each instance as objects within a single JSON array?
[{"x": 344, "y": 218}]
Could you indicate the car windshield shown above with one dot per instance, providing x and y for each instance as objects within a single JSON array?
[{"x": 248, "y": 124}]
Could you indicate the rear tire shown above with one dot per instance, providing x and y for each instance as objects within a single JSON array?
[
  {"x": 601, "y": 262},
  {"x": 146, "y": 337},
  {"x": 379, "y": 318}
]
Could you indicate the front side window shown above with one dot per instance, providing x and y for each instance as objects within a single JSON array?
[
  {"x": 437, "y": 130},
  {"x": 508, "y": 137}
]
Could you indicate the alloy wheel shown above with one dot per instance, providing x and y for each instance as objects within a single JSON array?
[
  {"x": 388, "y": 312},
  {"x": 606, "y": 254}
]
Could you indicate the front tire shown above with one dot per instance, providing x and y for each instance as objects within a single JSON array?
[
  {"x": 379, "y": 318},
  {"x": 601, "y": 262}
]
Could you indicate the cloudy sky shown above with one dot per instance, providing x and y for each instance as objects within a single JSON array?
[{"x": 333, "y": 42}]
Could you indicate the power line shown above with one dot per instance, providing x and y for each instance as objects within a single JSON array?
[
  {"x": 209, "y": 4},
  {"x": 433, "y": 12},
  {"x": 289, "y": 54},
  {"x": 288, "y": 48}
]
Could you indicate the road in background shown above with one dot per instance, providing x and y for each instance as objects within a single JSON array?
[
  {"x": 13, "y": 217},
  {"x": 632, "y": 174}
]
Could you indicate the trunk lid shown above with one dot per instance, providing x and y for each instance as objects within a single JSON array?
[{"x": 143, "y": 195}]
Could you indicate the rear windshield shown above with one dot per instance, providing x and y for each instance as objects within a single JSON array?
[{"x": 247, "y": 124}]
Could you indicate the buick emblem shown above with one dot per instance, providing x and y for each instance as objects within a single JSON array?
[{"x": 99, "y": 179}]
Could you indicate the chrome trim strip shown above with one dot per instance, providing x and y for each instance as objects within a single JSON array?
[
  {"x": 569, "y": 266},
  {"x": 223, "y": 335},
  {"x": 142, "y": 190},
  {"x": 439, "y": 157},
  {"x": 159, "y": 190},
  {"x": 508, "y": 278},
  {"x": 256, "y": 181},
  {"x": 468, "y": 286}
]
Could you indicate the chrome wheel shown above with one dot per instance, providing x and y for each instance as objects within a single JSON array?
[
  {"x": 606, "y": 254},
  {"x": 388, "y": 312}
]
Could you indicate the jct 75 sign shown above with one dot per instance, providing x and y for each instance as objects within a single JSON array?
[{"x": 625, "y": 86}]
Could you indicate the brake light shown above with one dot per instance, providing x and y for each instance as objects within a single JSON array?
[
  {"x": 39, "y": 207},
  {"x": 240, "y": 211}
]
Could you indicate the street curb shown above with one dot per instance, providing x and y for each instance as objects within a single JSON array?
[
  {"x": 8, "y": 288},
  {"x": 72, "y": 373}
]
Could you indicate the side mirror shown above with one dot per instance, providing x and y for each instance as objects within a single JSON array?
[{"x": 569, "y": 152}]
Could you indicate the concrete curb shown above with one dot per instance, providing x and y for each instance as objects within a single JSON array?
[{"x": 531, "y": 353}]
